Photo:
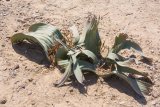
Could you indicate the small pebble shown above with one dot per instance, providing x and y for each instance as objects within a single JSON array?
[
  {"x": 29, "y": 93},
  {"x": 16, "y": 31},
  {"x": 71, "y": 90},
  {"x": 3, "y": 101},
  {"x": 16, "y": 67},
  {"x": 152, "y": 51},
  {"x": 30, "y": 80},
  {"x": 3, "y": 45}
]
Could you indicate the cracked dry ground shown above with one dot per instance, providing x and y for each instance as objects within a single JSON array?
[{"x": 25, "y": 83}]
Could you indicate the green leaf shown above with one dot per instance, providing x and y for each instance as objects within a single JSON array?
[
  {"x": 63, "y": 63},
  {"x": 115, "y": 57},
  {"x": 61, "y": 54},
  {"x": 42, "y": 34},
  {"x": 123, "y": 65},
  {"x": 91, "y": 55},
  {"x": 84, "y": 65},
  {"x": 90, "y": 36},
  {"x": 120, "y": 60},
  {"x": 126, "y": 62},
  {"x": 121, "y": 42},
  {"x": 75, "y": 33},
  {"x": 77, "y": 71},
  {"x": 36, "y": 27},
  {"x": 140, "y": 87},
  {"x": 131, "y": 71},
  {"x": 121, "y": 38},
  {"x": 66, "y": 74}
]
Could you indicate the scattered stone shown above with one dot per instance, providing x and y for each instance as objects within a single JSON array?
[
  {"x": 152, "y": 51},
  {"x": 67, "y": 101},
  {"x": 71, "y": 90},
  {"x": 3, "y": 101},
  {"x": 16, "y": 82},
  {"x": 33, "y": 103},
  {"x": 127, "y": 14},
  {"x": 16, "y": 67},
  {"x": 29, "y": 93},
  {"x": 5, "y": 69},
  {"x": 30, "y": 80},
  {"x": 113, "y": 97},
  {"x": 3, "y": 45},
  {"x": 23, "y": 86},
  {"x": 25, "y": 67},
  {"x": 16, "y": 31}
]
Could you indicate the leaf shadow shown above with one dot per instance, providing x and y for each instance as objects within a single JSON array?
[
  {"x": 148, "y": 61},
  {"x": 33, "y": 52},
  {"x": 90, "y": 79},
  {"x": 123, "y": 87}
]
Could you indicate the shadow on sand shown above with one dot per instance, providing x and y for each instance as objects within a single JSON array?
[
  {"x": 123, "y": 87},
  {"x": 89, "y": 80},
  {"x": 35, "y": 53},
  {"x": 31, "y": 51},
  {"x": 113, "y": 81}
]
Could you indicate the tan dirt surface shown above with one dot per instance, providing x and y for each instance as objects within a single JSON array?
[{"x": 26, "y": 82}]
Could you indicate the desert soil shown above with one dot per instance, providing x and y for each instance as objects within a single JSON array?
[{"x": 26, "y": 82}]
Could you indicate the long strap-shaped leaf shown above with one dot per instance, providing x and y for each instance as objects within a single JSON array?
[
  {"x": 115, "y": 57},
  {"x": 123, "y": 65},
  {"x": 43, "y": 34},
  {"x": 90, "y": 36},
  {"x": 121, "y": 38},
  {"x": 61, "y": 54},
  {"x": 119, "y": 59},
  {"x": 76, "y": 70},
  {"x": 131, "y": 71},
  {"x": 84, "y": 65},
  {"x": 121, "y": 42},
  {"x": 126, "y": 62},
  {"x": 91, "y": 55},
  {"x": 140, "y": 87},
  {"x": 63, "y": 63},
  {"x": 66, "y": 74}
]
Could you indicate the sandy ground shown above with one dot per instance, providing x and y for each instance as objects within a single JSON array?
[{"x": 25, "y": 83}]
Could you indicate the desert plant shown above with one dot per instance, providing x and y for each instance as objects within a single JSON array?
[
  {"x": 121, "y": 65},
  {"x": 84, "y": 54},
  {"x": 45, "y": 35}
]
